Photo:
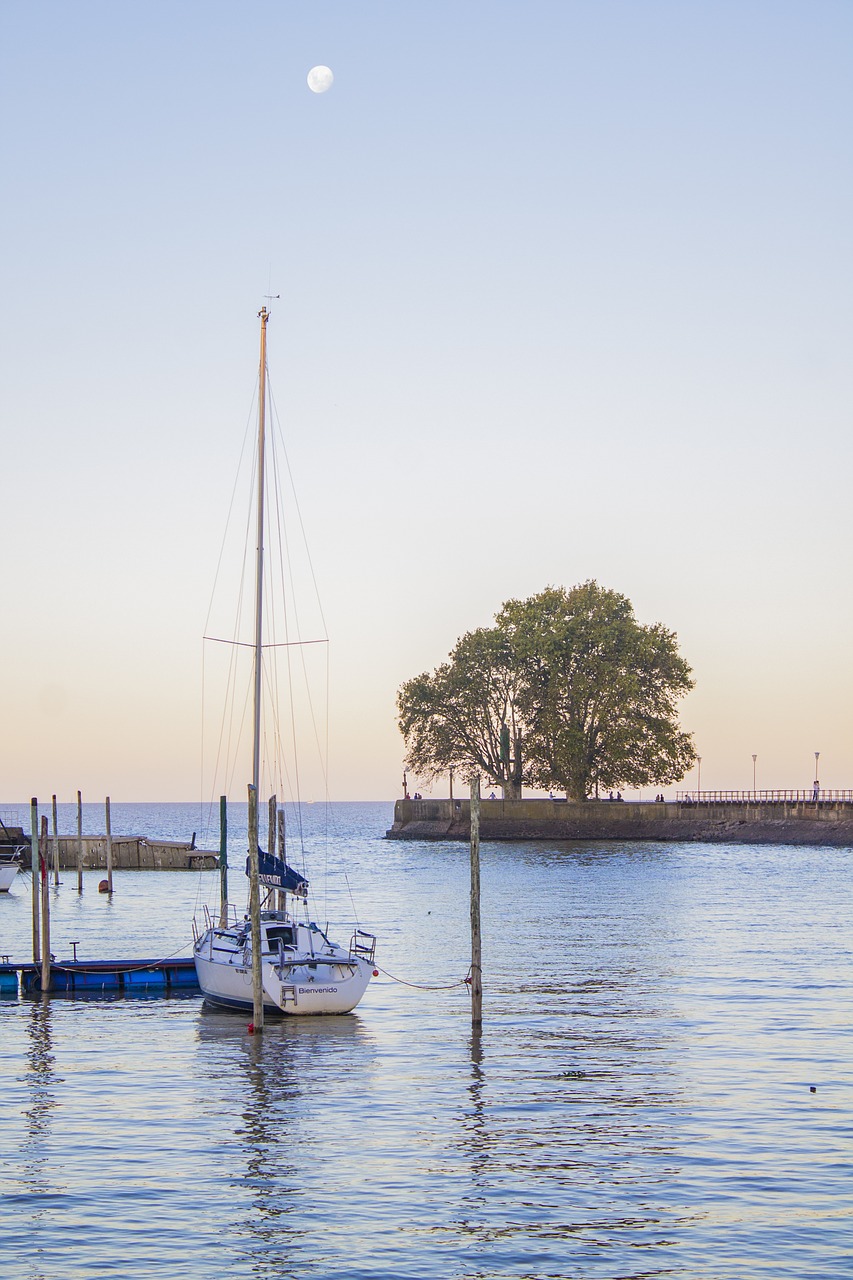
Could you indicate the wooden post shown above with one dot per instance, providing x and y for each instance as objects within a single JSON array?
[
  {"x": 34, "y": 867},
  {"x": 272, "y": 822},
  {"x": 282, "y": 896},
  {"x": 109, "y": 848},
  {"x": 476, "y": 959},
  {"x": 223, "y": 862},
  {"x": 45, "y": 907},
  {"x": 79, "y": 843},
  {"x": 255, "y": 915},
  {"x": 55, "y": 845}
]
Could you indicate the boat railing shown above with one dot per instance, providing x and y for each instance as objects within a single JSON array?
[
  {"x": 363, "y": 945},
  {"x": 215, "y": 922}
]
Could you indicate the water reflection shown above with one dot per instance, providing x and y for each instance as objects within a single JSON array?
[
  {"x": 272, "y": 1086},
  {"x": 474, "y": 1119},
  {"x": 37, "y": 1173},
  {"x": 42, "y": 1082}
]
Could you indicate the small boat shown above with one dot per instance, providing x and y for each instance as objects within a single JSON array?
[
  {"x": 14, "y": 844},
  {"x": 270, "y": 959}
]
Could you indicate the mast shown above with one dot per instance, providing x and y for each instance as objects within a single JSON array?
[
  {"x": 259, "y": 570},
  {"x": 254, "y": 888}
]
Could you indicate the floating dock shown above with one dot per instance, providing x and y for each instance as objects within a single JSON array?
[
  {"x": 129, "y": 853},
  {"x": 101, "y": 977}
]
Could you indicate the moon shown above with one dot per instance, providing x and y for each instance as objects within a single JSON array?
[{"x": 320, "y": 79}]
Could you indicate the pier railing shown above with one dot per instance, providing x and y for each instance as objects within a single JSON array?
[{"x": 811, "y": 795}]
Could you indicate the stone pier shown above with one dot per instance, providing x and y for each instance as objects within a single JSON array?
[{"x": 794, "y": 822}]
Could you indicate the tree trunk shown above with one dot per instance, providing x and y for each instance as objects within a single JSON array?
[{"x": 512, "y": 789}]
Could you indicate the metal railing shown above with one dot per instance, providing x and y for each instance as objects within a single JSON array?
[
  {"x": 363, "y": 945},
  {"x": 811, "y": 795}
]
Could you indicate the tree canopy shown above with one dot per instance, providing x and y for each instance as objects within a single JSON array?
[{"x": 567, "y": 690}]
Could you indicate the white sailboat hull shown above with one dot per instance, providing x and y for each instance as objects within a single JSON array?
[
  {"x": 8, "y": 871},
  {"x": 303, "y": 986},
  {"x": 300, "y": 991}
]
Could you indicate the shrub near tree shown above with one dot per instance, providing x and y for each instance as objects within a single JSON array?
[{"x": 567, "y": 691}]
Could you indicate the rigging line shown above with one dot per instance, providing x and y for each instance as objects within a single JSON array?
[
  {"x": 227, "y": 725},
  {"x": 84, "y": 968},
  {"x": 351, "y": 898},
  {"x": 322, "y": 757},
  {"x": 226, "y": 728},
  {"x": 297, "y": 508},
  {"x": 226, "y": 720},
  {"x": 281, "y": 531},
  {"x": 239, "y": 468},
  {"x": 278, "y": 446},
  {"x": 248, "y": 644},
  {"x": 284, "y": 560}
]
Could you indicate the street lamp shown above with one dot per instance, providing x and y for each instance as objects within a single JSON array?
[
  {"x": 699, "y": 777},
  {"x": 816, "y": 776},
  {"x": 754, "y": 758}
]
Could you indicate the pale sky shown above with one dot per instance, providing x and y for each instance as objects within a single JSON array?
[{"x": 566, "y": 292}]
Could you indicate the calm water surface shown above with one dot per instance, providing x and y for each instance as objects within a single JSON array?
[{"x": 638, "y": 1104}]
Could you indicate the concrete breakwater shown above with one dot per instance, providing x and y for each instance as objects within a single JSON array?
[
  {"x": 130, "y": 853},
  {"x": 800, "y": 822}
]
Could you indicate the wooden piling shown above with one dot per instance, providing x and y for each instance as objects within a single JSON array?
[
  {"x": 223, "y": 862},
  {"x": 255, "y": 915},
  {"x": 272, "y": 809},
  {"x": 109, "y": 847},
  {"x": 476, "y": 958},
  {"x": 79, "y": 842},
  {"x": 282, "y": 896},
  {"x": 44, "y": 878},
  {"x": 34, "y": 867},
  {"x": 55, "y": 844}
]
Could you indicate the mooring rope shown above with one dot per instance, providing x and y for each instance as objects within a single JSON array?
[
  {"x": 448, "y": 986},
  {"x": 82, "y": 967}
]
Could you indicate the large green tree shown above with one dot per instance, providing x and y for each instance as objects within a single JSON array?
[
  {"x": 598, "y": 691},
  {"x": 463, "y": 716},
  {"x": 589, "y": 691}
]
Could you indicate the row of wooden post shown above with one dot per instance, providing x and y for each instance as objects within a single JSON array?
[
  {"x": 39, "y": 847},
  {"x": 41, "y": 897}
]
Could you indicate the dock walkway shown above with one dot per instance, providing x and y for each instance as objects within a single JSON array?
[
  {"x": 131, "y": 853},
  {"x": 101, "y": 977}
]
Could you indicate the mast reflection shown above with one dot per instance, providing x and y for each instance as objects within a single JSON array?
[{"x": 275, "y": 1081}]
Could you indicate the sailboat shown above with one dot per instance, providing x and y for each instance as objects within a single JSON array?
[
  {"x": 270, "y": 959},
  {"x": 13, "y": 845}
]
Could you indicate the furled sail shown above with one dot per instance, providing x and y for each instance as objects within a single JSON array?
[{"x": 275, "y": 873}]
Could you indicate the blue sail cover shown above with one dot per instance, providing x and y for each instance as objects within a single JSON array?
[{"x": 277, "y": 874}]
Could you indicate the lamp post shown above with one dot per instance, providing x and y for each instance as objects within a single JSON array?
[
  {"x": 699, "y": 777},
  {"x": 816, "y": 776},
  {"x": 754, "y": 758}
]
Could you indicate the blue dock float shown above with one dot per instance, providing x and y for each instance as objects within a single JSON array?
[{"x": 102, "y": 977}]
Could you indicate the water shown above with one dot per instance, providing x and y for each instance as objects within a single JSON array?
[{"x": 638, "y": 1104}]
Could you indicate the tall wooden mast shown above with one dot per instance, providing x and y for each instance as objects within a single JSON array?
[
  {"x": 254, "y": 888},
  {"x": 259, "y": 570}
]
